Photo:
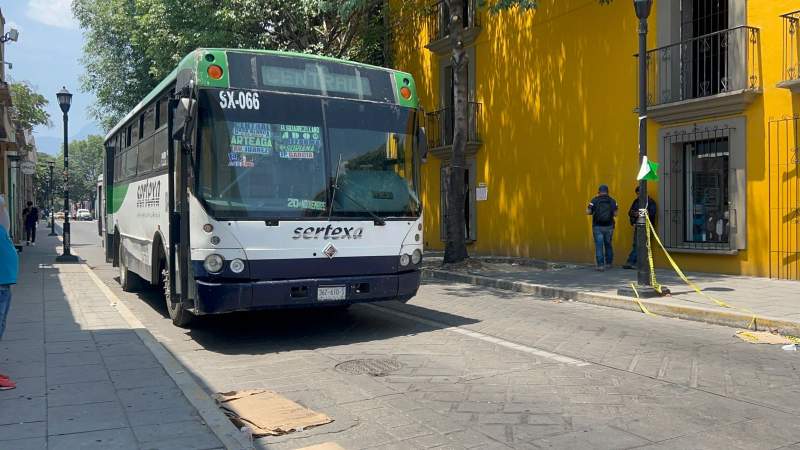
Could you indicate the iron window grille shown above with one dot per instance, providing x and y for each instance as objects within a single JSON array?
[
  {"x": 784, "y": 198},
  {"x": 791, "y": 46},
  {"x": 697, "y": 191},
  {"x": 440, "y": 126},
  {"x": 439, "y": 15},
  {"x": 711, "y": 64}
]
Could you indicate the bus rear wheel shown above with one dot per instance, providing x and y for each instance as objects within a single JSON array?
[
  {"x": 129, "y": 281},
  {"x": 181, "y": 317}
]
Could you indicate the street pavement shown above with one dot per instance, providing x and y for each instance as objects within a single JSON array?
[
  {"x": 475, "y": 367},
  {"x": 85, "y": 379}
]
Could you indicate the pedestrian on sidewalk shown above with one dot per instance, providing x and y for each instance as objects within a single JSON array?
[
  {"x": 633, "y": 215},
  {"x": 30, "y": 216},
  {"x": 603, "y": 209},
  {"x": 9, "y": 265}
]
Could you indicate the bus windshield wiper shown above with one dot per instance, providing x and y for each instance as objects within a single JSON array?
[{"x": 335, "y": 187}]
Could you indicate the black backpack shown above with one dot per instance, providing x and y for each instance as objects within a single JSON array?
[{"x": 603, "y": 211}]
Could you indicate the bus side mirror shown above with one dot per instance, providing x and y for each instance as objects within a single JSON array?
[
  {"x": 422, "y": 144},
  {"x": 183, "y": 123}
]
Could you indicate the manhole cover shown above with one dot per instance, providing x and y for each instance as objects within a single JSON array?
[{"x": 373, "y": 367}]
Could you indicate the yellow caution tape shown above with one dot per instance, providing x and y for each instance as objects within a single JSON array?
[
  {"x": 641, "y": 305},
  {"x": 651, "y": 231}
]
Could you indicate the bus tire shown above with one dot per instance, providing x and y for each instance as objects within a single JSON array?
[
  {"x": 181, "y": 317},
  {"x": 129, "y": 281}
]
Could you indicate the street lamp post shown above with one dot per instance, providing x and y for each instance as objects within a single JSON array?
[
  {"x": 64, "y": 101},
  {"x": 643, "y": 271},
  {"x": 51, "y": 166}
]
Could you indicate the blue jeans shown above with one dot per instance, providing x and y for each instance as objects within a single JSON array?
[
  {"x": 5, "y": 303},
  {"x": 604, "y": 253}
]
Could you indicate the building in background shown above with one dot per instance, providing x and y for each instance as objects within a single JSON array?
[
  {"x": 17, "y": 151},
  {"x": 8, "y": 134},
  {"x": 552, "y": 99}
]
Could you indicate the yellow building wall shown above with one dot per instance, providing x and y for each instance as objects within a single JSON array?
[{"x": 558, "y": 87}]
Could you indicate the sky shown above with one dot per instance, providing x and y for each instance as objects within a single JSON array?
[{"x": 47, "y": 55}]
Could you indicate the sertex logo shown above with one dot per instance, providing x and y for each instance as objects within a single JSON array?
[
  {"x": 328, "y": 233},
  {"x": 148, "y": 194}
]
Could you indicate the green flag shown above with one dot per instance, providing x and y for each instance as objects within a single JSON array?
[{"x": 648, "y": 171}]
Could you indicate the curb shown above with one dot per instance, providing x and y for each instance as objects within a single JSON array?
[{"x": 660, "y": 307}]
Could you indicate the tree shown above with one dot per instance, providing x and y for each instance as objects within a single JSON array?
[
  {"x": 455, "y": 249},
  {"x": 85, "y": 166},
  {"x": 29, "y": 106},
  {"x": 132, "y": 44},
  {"x": 42, "y": 181}
]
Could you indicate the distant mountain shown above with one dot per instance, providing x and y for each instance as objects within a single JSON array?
[{"x": 52, "y": 144}]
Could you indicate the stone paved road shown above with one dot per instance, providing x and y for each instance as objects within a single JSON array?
[{"x": 494, "y": 369}]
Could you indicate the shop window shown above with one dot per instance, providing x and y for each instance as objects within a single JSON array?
[{"x": 703, "y": 190}]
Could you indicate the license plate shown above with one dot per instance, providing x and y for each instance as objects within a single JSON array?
[{"x": 331, "y": 293}]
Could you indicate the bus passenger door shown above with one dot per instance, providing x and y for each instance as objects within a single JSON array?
[{"x": 106, "y": 202}]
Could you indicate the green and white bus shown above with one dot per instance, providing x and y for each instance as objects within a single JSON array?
[{"x": 252, "y": 179}]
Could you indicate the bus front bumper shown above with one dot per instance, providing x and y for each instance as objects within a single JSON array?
[{"x": 222, "y": 297}]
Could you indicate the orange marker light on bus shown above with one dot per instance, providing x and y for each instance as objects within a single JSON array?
[
  {"x": 405, "y": 92},
  {"x": 215, "y": 71}
]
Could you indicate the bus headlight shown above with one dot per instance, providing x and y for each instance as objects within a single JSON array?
[
  {"x": 213, "y": 263},
  {"x": 416, "y": 257},
  {"x": 404, "y": 259},
  {"x": 237, "y": 266}
]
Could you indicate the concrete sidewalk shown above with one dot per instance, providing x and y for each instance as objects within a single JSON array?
[
  {"x": 85, "y": 378},
  {"x": 775, "y": 303}
]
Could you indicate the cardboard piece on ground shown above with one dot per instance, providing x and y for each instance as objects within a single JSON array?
[
  {"x": 762, "y": 337},
  {"x": 267, "y": 413},
  {"x": 324, "y": 446}
]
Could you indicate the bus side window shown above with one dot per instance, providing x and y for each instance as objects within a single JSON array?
[
  {"x": 122, "y": 172},
  {"x": 148, "y": 121},
  {"x": 160, "y": 151},
  {"x": 130, "y": 162},
  {"x": 161, "y": 112},
  {"x": 134, "y": 129},
  {"x": 146, "y": 155}
]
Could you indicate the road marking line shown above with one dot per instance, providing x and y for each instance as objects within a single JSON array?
[
  {"x": 633, "y": 363},
  {"x": 216, "y": 421},
  {"x": 483, "y": 337}
]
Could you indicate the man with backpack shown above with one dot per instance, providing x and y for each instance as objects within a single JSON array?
[{"x": 603, "y": 210}]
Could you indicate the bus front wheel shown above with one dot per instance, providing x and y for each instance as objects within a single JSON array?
[{"x": 180, "y": 316}]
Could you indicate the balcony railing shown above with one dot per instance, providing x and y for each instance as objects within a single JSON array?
[
  {"x": 708, "y": 65},
  {"x": 440, "y": 126},
  {"x": 439, "y": 14},
  {"x": 791, "y": 46}
]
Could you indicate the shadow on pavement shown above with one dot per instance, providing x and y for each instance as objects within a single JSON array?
[{"x": 272, "y": 331}]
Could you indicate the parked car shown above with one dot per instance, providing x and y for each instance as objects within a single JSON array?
[
  {"x": 59, "y": 215},
  {"x": 83, "y": 214}
]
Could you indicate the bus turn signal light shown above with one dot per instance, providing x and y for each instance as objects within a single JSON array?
[
  {"x": 215, "y": 71},
  {"x": 405, "y": 92}
]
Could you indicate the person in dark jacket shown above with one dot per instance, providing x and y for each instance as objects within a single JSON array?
[
  {"x": 603, "y": 210},
  {"x": 30, "y": 216},
  {"x": 633, "y": 215}
]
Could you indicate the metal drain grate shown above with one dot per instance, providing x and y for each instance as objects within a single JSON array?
[{"x": 372, "y": 367}]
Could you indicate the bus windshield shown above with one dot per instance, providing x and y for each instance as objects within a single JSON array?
[{"x": 298, "y": 156}]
